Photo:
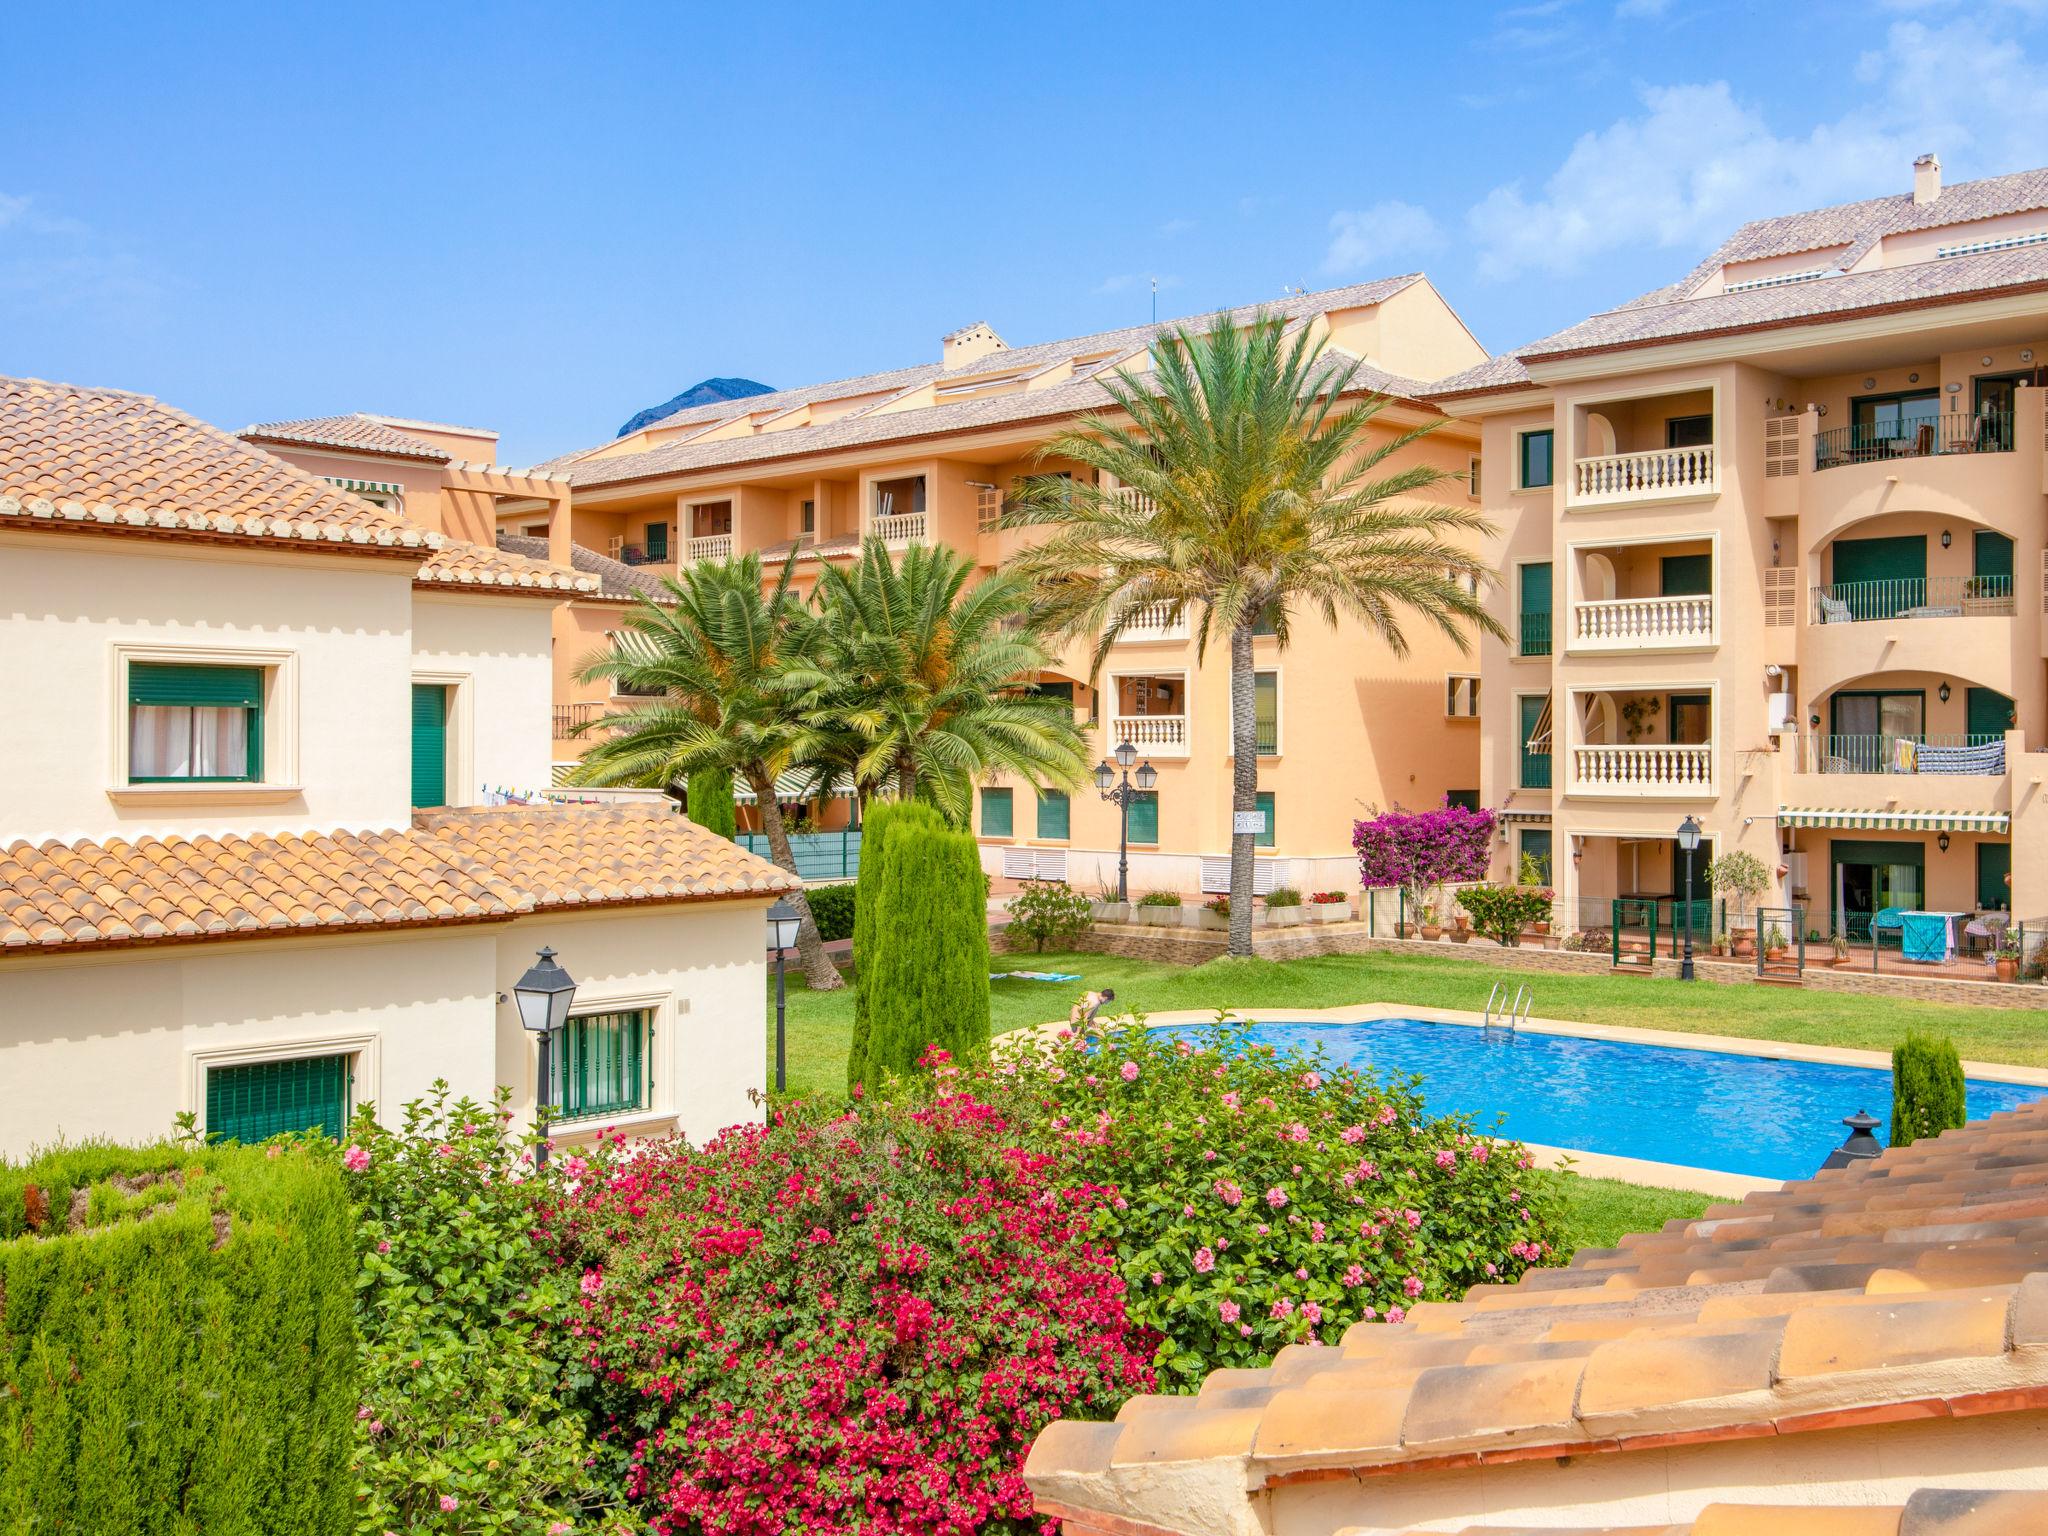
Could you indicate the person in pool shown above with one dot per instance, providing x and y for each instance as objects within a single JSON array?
[{"x": 1090, "y": 1004}]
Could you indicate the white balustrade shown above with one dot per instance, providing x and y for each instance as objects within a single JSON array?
[
  {"x": 1680, "y": 772},
  {"x": 899, "y": 527},
  {"x": 1152, "y": 735},
  {"x": 1137, "y": 500},
  {"x": 712, "y": 546},
  {"x": 1154, "y": 621},
  {"x": 1643, "y": 623},
  {"x": 1661, "y": 472}
]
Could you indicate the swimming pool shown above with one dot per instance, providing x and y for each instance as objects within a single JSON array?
[{"x": 1756, "y": 1115}]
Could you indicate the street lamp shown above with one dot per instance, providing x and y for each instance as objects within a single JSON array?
[
  {"x": 782, "y": 926},
  {"x": 544, "y": 994},
  {"x": 1689, "y": 840},
  {"x": 1121, "y": 796}
]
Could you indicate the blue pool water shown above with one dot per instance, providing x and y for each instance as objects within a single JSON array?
[{"x": 1705, "y": 1109}]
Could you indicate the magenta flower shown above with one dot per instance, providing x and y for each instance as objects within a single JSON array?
[
  {"x": 1312, "y": 1312},
  {"x": 1276, "y": 1197},
  {"x": 1395, "y": 1315},
  {"x": 1128, "y": 1071},
  {"x": 1158, "y": 1278},
  {"x": 1227, "y": 1310},
  {"x": 1355, "y": 1275},
  {"x": 1205, "y": 1260},
  {"x": 1228, "y": 1192},
  {"x": 593, "y": 1282},
  {"x": 1283, "y": 1308},
  {"x": 450, "y": 1503},
  {"x": 1412, "y": 1286},
  {"x": 356, "y": 1159},
  {"x": 1447, "y": 1158},
  {"x": 1311, "y": 1081}
]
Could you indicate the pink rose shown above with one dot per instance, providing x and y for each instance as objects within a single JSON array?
[
  {"x": 1395, "y": 1314},
  {"x": 1447, "y": 1158},
  {"x": 355, "y": 1159},
  {"x": 1227, "y": 1310},
  {"x": 1128, "y": 1071},
  {"x": 1355, "y": 1275},
  {"x": 1205, "y": 1260},
  {"x": 1276, "y": 1197},
  {"x": 1283, "y": 1308},
  {"x": 1412, "y": 1286},
  {"x": 450, "y": 1503},
  {"x": 1158, "y": 1278},
  {"x": 593, "y": 1282},
  {"x": 1312, "y": 1312},
  {"x": 1311, "y": 1081}
]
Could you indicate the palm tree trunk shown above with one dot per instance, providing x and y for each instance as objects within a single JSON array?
[
  {"x": 906, "y": 778},
  {"x": 1244, "y": 784},
  {"x": 818, "y": 968}
]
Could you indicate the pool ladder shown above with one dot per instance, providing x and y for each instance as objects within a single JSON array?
[{"x": 1504, "y": 1011}]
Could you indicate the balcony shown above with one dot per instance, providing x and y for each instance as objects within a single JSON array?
[
  {"x": 712, "y": 546},
  {"x": 1535, "y": 637},
  {"x": 1641, "y": 623},
  {"x": 1154, "y": 622},
  {"x": 1946, "y": 754},
  {"x": 1137, "y": 501},
  {"x": 568, "y": 718},
  {"x": 1914, "y": 597},
  {"x": 899, "y": 527},
  {"x": 1652, "y": 772},
  {"x": 1915, "y": 437},
  {"x": 1674, "y": 474},
  {"x": 1152, "y": 735}
]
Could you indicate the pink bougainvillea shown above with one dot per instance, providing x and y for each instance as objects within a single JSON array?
[{"x": 1422, "y": 850}]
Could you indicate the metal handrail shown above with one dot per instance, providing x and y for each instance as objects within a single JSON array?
[
  {"x": 1913, "y": 597},
  {"x": 1915, "y": 437}
]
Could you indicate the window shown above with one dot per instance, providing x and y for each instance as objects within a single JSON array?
[
  {"x": 264, "y": 1099},
  {"x": 1266, "y": 712},
  {"x": 621, "y": 687},
  {"x": 1535, "y": 609},
  {"x": 1144, "y": 816},
  {"x": 657, "y": 541},
  {"x": 1532, "y": 715},
  {"x": 1688, "y": 431},
  {"x": 429, "y": 745},
  {"x": 1268, "y": 837},
  {"x": 1463, "y": 799},
  {"x": 1055, "y": 814},
  {"x": 1534, "y": 449},
  {"x": 1461, "y": 697},
  {"x": 602, "y": 1063},
  {"x": 1472, "y": 477},
  {"x": 996, "y": 817},
  {"x": 1534, "y": 864},
  {"x": 194, "y": 724},
  {"x": 807, "y": 518},
  {"x": 1061, "y": 690}
]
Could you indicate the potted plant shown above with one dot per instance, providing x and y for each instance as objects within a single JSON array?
[
  {"x": 1774, "y": 943},
  {"x": 2007, "y": 961},
  {"x": 1159, "y": 909},
  {"x": 1421, "y": 852},
  {"x": 1329, "y": 907},
  {"x": 1215, "y": 914},
  {"x": 1432, "y": 930},
  {"x": 1839, "y": 945},
  {"x": 1720, "y": 944},
  {"x": 1743, "y": 876},
  {"x": 1283, "y": 906}
]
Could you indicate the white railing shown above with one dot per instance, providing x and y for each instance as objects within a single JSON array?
[
  {"x": 899, "y": 527},
  {"x": 1154, "y": 621},
  {"x": 1643, "y": 476},
  {"x": 1153, "y": 735},
  {"x": 712, "y": 546},
  {"x": 1636, "y": 623},
  {"x": 1137, "y": 500},
  {"x": 1683, "y": 772}
]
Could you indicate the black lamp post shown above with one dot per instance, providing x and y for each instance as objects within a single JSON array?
[
  {"x": 782, "y": 925},
  {"x": 1121, "y": 796},
  {"x": 1689, "y": 840},
  {"x": 544, "y": 994}
]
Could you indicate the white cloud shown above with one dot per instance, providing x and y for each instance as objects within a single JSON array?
[
  {"x": 1174, "y": 227},
  {"x": 1375, "y": 235},
  {"x": 51, "y": 261},
  {"x": 1697, "y": 161}
]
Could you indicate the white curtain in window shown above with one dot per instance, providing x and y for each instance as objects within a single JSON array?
[{"x": 176, "y": 741}]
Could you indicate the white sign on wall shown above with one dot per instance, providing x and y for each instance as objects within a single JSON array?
[{"x": 1249, "y": 821}]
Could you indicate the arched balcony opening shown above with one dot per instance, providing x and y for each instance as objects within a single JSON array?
[{"x": 1907, "y": 723}]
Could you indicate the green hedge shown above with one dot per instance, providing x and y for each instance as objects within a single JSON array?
[
  {"x": 926, "y": 972},
  {"x": 832, "y": 909},
  {"x": 880, "y": 823},
  {"x": 179, "y": 1356},
  {"x": 1927, "y": 1088},
  {"x": 708, "y": 802}
]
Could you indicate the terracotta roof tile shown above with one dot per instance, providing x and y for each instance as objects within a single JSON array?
[
  {"x": 108, "y": 461},
  {"x": 1914, "y": 1286},
  {"x": 459, "y": 563},
  {"x": 358, "y": 432},
  {"x": 615, "y": 578},
  {"x": 451, "y": 866}
]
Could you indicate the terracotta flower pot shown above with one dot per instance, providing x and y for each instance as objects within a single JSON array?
[
  {"x": 2008, "y": 968},
  {"x": 1431, "y": 932}
]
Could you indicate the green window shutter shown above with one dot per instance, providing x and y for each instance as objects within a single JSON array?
[
  {"x": 1994, "y": 559},
  {"x": 1055, "y": 813},
  {"x": 1535, "y": 608},
  {"x": 1994, "y": 868},
  {"x": 1537, "y": 449},
  {"x": 1144, "y": 815},
  {"x": 657, "y": 541},
  {"x": 429, "y": 744},
  {"x": 1266, "y": 712},
  {"x": 1268, "y": 838},
  {"x": 203, "y": 687},
  {"x": 602, "y": 1063},
  {"x": 1535, "y": 765},
  {"x": 253, "y": 1103},
  {"x": 1879, "y": 578},
  {"x": 1987, "y": 714},
  {"x": 997, "y": 813},
  {"x": 1688, "y": 575}
]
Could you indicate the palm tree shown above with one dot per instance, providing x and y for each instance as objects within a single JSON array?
[
  {"x": 1255, "y": 495},
  {"x": 719, "y": 651},
  {"x": 932, "y": 677}
]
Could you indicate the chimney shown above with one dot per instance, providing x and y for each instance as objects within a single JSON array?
[
  {"x": 968, "y": 343},
  {"x": 1926, "y": 179}
]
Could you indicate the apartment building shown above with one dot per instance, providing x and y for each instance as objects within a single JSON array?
[
  {"x": 928, "y": 453},
  {"x": 1772, "y": 559},
  {"x": 249, "y": 867}
]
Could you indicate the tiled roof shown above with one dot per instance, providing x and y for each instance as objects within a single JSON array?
[
  {"x": 1861, "y": 225},
  {"x": 459, "y": 563},
  {"x": 865, "y": 426},
  {"x": 615, "y": 578},
  {"x": 1929, "y": 1512},
  {"x": 1496, "y": 373},
  {"x": 357, "y": 432},
  {"x": 1912, "y": 1286},
  {"x": 450, "y": 866},
  {"x": 108, "y": 460}
]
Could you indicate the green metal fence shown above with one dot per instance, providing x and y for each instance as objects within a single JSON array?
[{"x": 819, "y": 855}]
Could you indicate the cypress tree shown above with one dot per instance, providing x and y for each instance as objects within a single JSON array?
[
  {"x": 1928, "y": 1092},
  {"x": 876, "y": 828},
  {"x": 929, "y": 974},
  {"x": 709, "y": 802}
]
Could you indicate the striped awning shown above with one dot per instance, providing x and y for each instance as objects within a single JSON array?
[
  {"x": 1897, "y": 821},
  {"x": 366, "y": 487},
  {"x": 1521, "y": 816},
  {"x": 1539, "y": 733},
  {"x": 793, "y": 785}
]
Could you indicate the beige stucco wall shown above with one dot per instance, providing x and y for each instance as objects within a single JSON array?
[
  {"x": 335, "y": 630},
  {"x": 497, "y": 655}
]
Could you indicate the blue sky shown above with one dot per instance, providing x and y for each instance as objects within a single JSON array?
[{"x": 541, "y": 218}]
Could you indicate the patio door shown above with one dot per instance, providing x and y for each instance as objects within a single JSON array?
[
  {"x": 1994, "y": 877},
  {"x": 1987, "y": 715},
  {"x": 1690, "y": 719},
  {"x": 1877, "y": 578},
  {"x": 1863, "y": 725},
  {"x": 1868, "y": 877},
  {"x": 1687, "y": 575}
]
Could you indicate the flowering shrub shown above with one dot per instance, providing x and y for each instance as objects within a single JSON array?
[
  {"x": 1328, "y": 898},
  {"x": 1049, "y": 911},
  {"x": 1422, "y": 850},
  {"x": 461, "y": 1428},
  {"x": 1220, "y": 905},
  {"x": 843, "y": 1322},
  {"x": 1500, "y": 912},
  {"x": 1263, "y": 1198}
]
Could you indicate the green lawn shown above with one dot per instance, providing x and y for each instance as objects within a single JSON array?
[{"x": 1599, "y": 1211}]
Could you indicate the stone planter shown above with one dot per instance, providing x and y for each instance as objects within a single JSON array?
[
  {"x": 1211, "y": 922},
  {"x": 1158, "y": 917},
  {"x": 1328, "y": 911},
  {"x": 1110, "y": 911},
  {"x": 1281, "y": 917}
]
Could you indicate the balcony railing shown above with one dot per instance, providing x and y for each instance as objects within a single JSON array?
[
  {"x": 569, "y": 716},
  {"x": 1137, "y": 500},
  {"x": 712, "y": 546},
  {"x": 1917, "y": 437},
  {"x": 899, "y": 528},
  {"x": 1535, "y": 634},
  {"x": 1155, "y": 621},
  {"x": 1951, "y": 753},
  {"x": 1535, "y": 770},
  {"x": 1636, "y": 623},
  {"x": 1158, "y": 735},
  {"x": 1914, "y": 597},
  {"x": 1682, "y": 771},
  {"x": 1637, "y": 476}
]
